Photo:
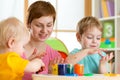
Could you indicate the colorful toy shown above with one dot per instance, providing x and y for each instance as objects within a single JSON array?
[
  {"x": 111, "y": 74},
  {"x": 89, "y": 74},
  {"x": 55, "y": 69},
  {"x": 58, "y": 45},
  {"x": 107, "y": 40},
  {"x": 79, "y": 69},
  {"x": 62, "y": 69},
  {"x": 68, "y": 69}
]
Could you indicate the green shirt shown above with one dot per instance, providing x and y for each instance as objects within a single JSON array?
[{"x": 90, "y": 62}]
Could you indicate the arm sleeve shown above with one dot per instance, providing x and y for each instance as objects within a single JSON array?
[
  {"x": 74, "y": 51},
  {"x": 16, "y": 63}
]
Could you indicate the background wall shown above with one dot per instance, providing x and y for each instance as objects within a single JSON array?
[{"x": 12, "y": 8}]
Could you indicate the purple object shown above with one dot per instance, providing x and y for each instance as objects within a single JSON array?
[{"x": 110, "y": 6}]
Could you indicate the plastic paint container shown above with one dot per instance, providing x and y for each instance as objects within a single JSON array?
[
  {"x": 55, "y": 69},
  {"x": 79, "y": 69},
  {"x": 62, "y": 69},
  {"x": 69, "y": 69}
]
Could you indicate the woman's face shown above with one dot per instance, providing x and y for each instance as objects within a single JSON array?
[{"x": 41, "y": 28}]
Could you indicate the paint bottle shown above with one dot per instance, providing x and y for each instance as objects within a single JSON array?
[
  {"x": 79, "y": 69},
  {"x": 69, "y": 69},
  {"x": 62, "y": 69},
  {"x": 55, "y": 69}
]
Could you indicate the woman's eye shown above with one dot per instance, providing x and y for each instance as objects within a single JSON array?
[
  {"x": 48, "y": 25},
  {"x": 89, "y": 37},
  {"x": 39, "y": 25}
]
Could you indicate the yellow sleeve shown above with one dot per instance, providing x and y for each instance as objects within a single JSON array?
[{"x": 17, "y": 63}]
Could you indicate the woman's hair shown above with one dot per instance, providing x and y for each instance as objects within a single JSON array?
[
  {"x": 12, "y": 28},
  {"x": 39, "y": 9},
  {"x": 88, "y": 23}
]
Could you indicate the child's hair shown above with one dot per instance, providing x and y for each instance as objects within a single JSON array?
[
  {"x": 39, "y": 9},
  {"x": 88, "y": 23},
  {"x": 12, "y": 28}
]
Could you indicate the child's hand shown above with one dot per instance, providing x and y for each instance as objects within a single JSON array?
[
  {"x": 42, "y": 69},
  {"x": 97, "y": 50},
  {"x": 36, "y": 55},
  {"x": 34, "y": 65},
  {"x": 92, "y": 51},
  {"x": 106, "y": 58},
  {"x": 103, "y": 61},
  {"x": 56, "y": 60}
]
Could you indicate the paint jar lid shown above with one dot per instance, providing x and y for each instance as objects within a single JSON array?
[
  {"x": 111, "y": 74},
  {"x": 88, "y": 74}
]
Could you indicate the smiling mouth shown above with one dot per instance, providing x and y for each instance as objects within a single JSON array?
[
  {"x": 41, "y": 35},
  {"x": 93, "y": 46}
]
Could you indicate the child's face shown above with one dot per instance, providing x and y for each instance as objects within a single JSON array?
[
  {"x": 91, "y": 38},
  {"x": 19, "y": 47},
  {"x": 41, "y": 28}
]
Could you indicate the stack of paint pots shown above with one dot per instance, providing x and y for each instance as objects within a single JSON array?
[{"x": 67, "y": 69}]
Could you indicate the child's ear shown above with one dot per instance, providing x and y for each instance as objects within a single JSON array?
[
  {"x": 78, "y": 36},
  {"x": 11, "y": 42}
]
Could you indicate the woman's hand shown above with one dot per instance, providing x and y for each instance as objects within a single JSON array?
[
  {"x": 36, "y": 55},
  {"x": 56, "y": 60}
]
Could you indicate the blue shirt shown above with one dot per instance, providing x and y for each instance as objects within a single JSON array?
[{"x": 90, "y": 62}]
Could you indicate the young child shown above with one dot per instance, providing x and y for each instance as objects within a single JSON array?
[
  {"x": 13, "y": 36},
  {"x": 89, "y": 32}
]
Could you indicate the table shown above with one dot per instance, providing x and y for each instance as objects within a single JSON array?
[{"x": 56, "y": 77}]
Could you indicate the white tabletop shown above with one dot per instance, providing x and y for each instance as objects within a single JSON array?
[{"x": 56, "y": 77}]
